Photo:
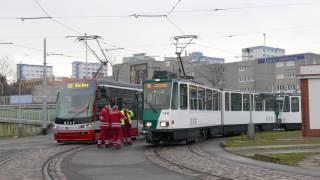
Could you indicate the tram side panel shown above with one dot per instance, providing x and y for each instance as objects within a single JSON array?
[
  {"x": 291, "y": 115},
  {"x": 235, "y": 120}
]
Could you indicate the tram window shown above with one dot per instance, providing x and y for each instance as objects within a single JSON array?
[
  {"x": 286, "y": 107},
  {"x": 174, "y": 97},
  {"x": 208, "y": 99},
  {"x": 193, "y": 97},
  {"x": 201, "y": 98},
  {"x": 295, "y": 104},
  {"x": 183, "y": 96},
  {"x": 215, "y": 101},
  {"x": 258, "y": 100},
  {"x": 270, "y": 103},
  {"x": 246, "y": 102},
  {"x": 236, "y": 102},
  {"x": 226, "y": 101}
]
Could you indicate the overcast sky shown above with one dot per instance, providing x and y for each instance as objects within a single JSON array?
[{"x": 290, "y": 24}]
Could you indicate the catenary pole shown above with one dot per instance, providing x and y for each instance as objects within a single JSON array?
[
  {"x": 44, "y": 89},
  {"x": 251, "y": 126}
]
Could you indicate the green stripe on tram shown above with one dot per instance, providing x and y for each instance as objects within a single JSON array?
[{"x": 151, "y": 115}]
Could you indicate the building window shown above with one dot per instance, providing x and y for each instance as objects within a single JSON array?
[
  {"x": 290, "y": 63},
  {"x": 279, "y": 64},
  {"x": 279, "y": 76},
  {"x": 224, "y": 70}
]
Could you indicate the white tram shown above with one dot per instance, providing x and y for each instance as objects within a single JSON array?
[{"x": 180, "y": 109}]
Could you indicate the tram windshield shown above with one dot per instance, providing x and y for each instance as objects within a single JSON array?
[
  {"x": 76, "y": 100},
  {"x": 157, "y": 95}
]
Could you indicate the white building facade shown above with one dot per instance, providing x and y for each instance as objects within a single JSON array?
[
  {"x": 29, "y": 71},
  {"x": 256, "y": 52},
  {"x": 88, "y": 70}
]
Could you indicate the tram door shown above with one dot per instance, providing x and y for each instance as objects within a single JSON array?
[{"x": 279, "y": 110}]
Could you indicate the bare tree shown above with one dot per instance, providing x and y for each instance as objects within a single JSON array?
[
  {"x": 213, "y": 73},
  {"x": 6, "y": 70}
]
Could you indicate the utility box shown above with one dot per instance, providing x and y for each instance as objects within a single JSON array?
[{"x": 310, "y": 99}]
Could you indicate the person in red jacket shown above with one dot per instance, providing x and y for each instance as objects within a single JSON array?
[
  {"x": 105, "y": 126},
  {"x": 116, "y": 116}
]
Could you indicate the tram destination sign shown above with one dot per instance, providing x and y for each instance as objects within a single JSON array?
[
  {"x": 270, "y": 60},
  {"x": 78, "y": 85}
]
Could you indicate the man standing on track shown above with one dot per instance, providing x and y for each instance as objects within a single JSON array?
[
  {"x": 126, "y": 124},
  {"x": 115, "y": 116},
  {"x": 105, "y": 126}
]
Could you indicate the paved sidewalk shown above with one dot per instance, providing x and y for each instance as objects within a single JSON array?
[
  {"x": 213, "y": 147},
  {"x": 274, "y": 149}
]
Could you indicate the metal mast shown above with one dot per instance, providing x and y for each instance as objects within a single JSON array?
[{"x": 181, "y": 43}]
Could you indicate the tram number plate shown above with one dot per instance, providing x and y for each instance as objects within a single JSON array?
[{"x": 193, "y": 121}]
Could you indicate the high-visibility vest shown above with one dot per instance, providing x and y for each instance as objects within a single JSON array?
[{"x": 127, "y": 113}]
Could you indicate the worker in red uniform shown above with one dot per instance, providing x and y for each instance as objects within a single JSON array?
[
  {"x": 126, "y": 124},
  {"x": 116, "y": 116},
  {"x": 105, "y": 126}
]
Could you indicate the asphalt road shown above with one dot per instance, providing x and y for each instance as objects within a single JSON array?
[{"x": 128, "y": 163}]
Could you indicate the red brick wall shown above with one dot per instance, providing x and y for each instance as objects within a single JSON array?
[{"x": 306, "y": 131}]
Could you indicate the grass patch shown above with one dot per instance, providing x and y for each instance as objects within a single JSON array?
[
  {"x": 291, "y": 159},
  {"x": 270, "y": 138}
]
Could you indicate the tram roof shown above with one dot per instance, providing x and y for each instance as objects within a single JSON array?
[{"x": 118, "y": 83}]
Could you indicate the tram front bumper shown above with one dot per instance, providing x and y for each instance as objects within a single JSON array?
[{"x": 74, "y": 135}]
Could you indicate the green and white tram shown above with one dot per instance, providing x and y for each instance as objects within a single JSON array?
[{"x": 178, "y": 109}]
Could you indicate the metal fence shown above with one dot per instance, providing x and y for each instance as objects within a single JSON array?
[
  {"x": 26, "y": 110},
  {"x": 26, "y": 100}
]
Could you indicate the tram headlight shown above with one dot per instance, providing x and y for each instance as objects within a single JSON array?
[
  {"x": 148, "y": 124},
  {"x": 88, "y": 125},
  {"x": 55, "y": 127},
  {"x": 164, "y": 124}
]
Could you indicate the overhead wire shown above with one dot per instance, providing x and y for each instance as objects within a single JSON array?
[
  {"x": 173, "y": 8},
  {"x": 175, "y": 25},
  {"x": 170, "y": 21},
  {"x": 54, "y": 20}
]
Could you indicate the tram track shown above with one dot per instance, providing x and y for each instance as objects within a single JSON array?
[
  {"x": 154, "y": 155},
  {"x": 51, "y": 169},
  {"x": 32, "y": 158}
]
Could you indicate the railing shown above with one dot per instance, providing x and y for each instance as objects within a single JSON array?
[
  {"x": 26, "y": 114},
  {"x": 26, "y": 111}
]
